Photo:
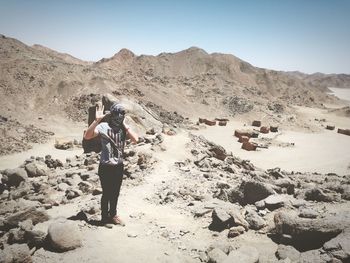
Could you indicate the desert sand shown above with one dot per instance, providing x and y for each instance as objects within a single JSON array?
[{"x": 190, "y": 193}]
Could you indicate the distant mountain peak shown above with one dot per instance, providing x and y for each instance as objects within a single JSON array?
[
  {"x": 194, "y": 49},
  {"x": 125, "y": 53}
]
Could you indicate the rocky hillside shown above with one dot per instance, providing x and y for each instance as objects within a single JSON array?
[{"x": 190, "y": 82}]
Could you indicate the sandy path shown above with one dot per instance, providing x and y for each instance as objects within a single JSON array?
[
  {"x": 157, "y": 227},
  {"x": 325, "y": 151},
  {"x": 114, "y": 245}
]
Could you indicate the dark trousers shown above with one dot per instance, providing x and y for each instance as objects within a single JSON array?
[{"x": 111, "y": 178}]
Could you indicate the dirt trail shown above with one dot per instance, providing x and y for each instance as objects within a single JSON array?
[{"x": 145, "y": 219}]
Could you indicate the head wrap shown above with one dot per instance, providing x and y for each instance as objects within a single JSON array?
[{"x": 117, "y": 116}]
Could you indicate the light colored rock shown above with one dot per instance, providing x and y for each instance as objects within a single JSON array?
[
  {"x": 16, "y": 253},
  {"x": 216, "y": 255},
  {"x": 284, "y": 252},
  {"x": 245, "y": 254},
  {"x": 64, "y": 235},
  {"x": 273, "y": 202},
  {"x": 35, "y": 169}
]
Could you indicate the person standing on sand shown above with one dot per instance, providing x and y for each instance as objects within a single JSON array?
[{"x": 113, "y": 135}]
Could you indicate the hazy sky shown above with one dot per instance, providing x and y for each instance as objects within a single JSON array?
[{"x": 310, "y": 35}]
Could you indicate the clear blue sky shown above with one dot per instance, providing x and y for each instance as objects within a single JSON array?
[{"x": 310, "y": 35}]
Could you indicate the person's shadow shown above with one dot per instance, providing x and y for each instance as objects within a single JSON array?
[{"x": 81, "y": 216}]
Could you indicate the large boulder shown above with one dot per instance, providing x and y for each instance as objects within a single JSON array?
[
  {"x": 227, "y": 216},
  {"x": 64, "y": 235},
  {"x": 16, "y": 253},
  {"x": 15, "y": 176},
  {"x": 273, "y": 202},
  {"x": 35, "y": 169},
  {"x": 221, "y": 219},
  {"x": 317, "y": 194},
  {"x": 255, "y": 191},
  {"x": 311, "y": 233},
  {"x": 339, "y": 247}
]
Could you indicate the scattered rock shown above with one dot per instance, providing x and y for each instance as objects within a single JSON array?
[
  {"x": 35, "y": 169},
  {"x": 221, "y": 220},
  {"x": 36, "y": 215},
  {"x": 254, "y": 220},
  {"x": 235, "y": 231},
  {"x": 255, "y": 191},
  {"x": 15, "y": 176}
]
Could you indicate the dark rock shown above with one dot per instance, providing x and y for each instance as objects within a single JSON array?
[
  {"x": 220, "y": 220},
  {"x": 64, "y": 236},
  {"x": 73, "y": 193},
  {"x": 16, "y": 235},
  {"x": 16, "y": 253},
  {"x": 235, "y": 196},
  {"x": 85, "y": 187},
  {"x": 255, "y": 191},
  {"x": 275, "y": 172},
  {"x": 36, "y": 215},
  {"x": 346, "y": 192},
  {"x": 308, "y": 233},
  {"x": 15, "y": 176},
  {"x": 219, "y": 152},
  {"x": 36, "y": 238},
  {"x": 97, "y": 191},
  {"x": 235, "y": 231},
  {"x": 316, "y": 194}
]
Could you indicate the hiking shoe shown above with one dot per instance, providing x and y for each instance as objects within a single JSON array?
[
  {"x": 106, "y": 223},
  {"x": 117, "y": 221}
]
